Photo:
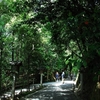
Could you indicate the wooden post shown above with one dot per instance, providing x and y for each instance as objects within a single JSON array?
[
  {"x": 13, "y": 87},
  {"x": 41, "y": 78}
]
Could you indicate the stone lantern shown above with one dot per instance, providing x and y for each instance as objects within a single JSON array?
[{"x": 15, "y": 65}]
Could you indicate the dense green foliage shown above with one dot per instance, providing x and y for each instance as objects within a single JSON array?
[{"x": 49, "y": 36}]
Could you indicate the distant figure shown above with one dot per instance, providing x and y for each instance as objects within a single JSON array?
[
  {"x": 63, "y": 77},
  {"x": 57, "y": 76}
]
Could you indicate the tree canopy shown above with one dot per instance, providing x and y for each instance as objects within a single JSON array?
[{"x": 49, "y": 35}]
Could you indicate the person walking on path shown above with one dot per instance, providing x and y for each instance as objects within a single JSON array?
[
  {"x": 63, "y": 77},
  {"x": 57, "y": 76}
]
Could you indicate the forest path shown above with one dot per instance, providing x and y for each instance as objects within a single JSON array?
[{"x": 54, "y": 91}]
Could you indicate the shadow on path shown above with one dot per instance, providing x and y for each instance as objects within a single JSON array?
[{"x": 54, "y": 91}]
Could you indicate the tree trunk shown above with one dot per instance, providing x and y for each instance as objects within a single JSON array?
[
  {"x": 13, "y": 87},
  {"x": 47, "y": 75},
  {"x": 13, "y": 71},
  {"x": 28, "y": 73},
  {"x": 1, "y": 49},
  {"x": 86, "y": 84},
  {"x": 0, "y": 81}
]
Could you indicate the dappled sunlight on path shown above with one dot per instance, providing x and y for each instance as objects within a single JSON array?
[
  {"x": 54, "y": 91},
  {"x": 59, "y": 83}
]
